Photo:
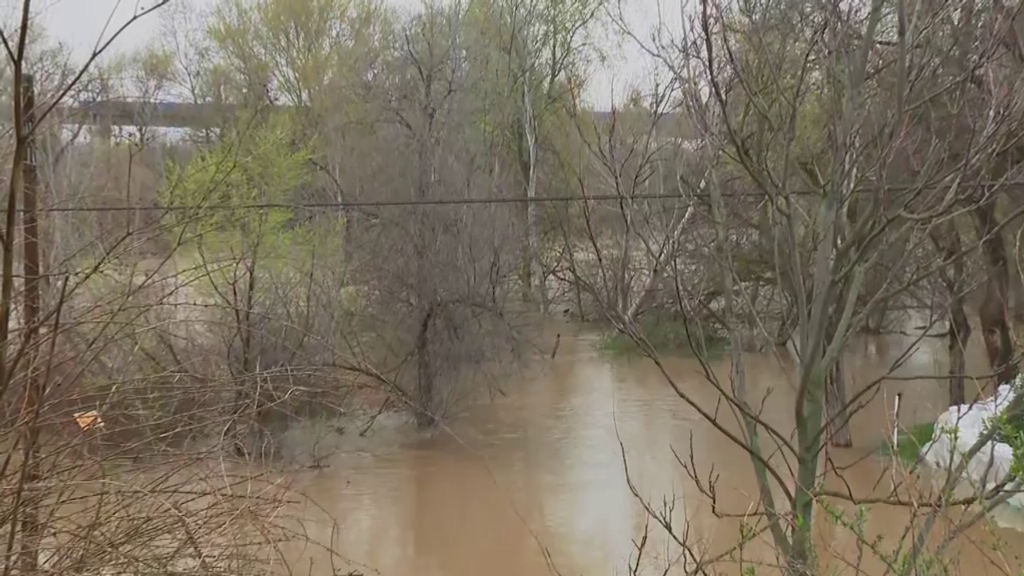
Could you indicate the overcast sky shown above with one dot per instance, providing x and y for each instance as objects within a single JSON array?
[{"x": 79, "y": 23}]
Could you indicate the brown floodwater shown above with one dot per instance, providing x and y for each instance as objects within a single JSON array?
[{"x": 534, "y": 480}]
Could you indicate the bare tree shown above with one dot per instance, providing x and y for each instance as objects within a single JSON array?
[{"x": 848, "y": 129}]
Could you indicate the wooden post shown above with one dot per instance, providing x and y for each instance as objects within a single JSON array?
[
  {"x": 30, "y": 217},
  {"x": 31, "y": 529}
]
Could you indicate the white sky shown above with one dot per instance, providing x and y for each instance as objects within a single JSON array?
[{"x": 79, "y": 23}]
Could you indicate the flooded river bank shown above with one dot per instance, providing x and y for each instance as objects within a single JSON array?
[{"x": 534, "y": 481}]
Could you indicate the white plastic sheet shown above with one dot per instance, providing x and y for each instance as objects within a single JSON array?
[{"x": 956, "y": 431}]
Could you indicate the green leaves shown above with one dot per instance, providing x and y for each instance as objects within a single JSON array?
[
  {"x": 303, "y": 48},
  {"x": 911, "y": 442},
  {"x": 237, "y": 191}
]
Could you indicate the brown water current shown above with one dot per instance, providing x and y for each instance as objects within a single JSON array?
[{"x": 537, "y": 475}]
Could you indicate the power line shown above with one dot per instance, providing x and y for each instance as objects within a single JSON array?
[
  {"x": 379, "y": 203},
  {"x": 503, "y": 200}
]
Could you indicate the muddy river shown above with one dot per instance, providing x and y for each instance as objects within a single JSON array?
[{"x": 533, "y": 481}]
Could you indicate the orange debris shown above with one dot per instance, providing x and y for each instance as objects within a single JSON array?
[{"x": 88, "y": 420}]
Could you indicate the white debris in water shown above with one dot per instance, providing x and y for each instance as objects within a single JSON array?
[{"x": 956, "y": 431}]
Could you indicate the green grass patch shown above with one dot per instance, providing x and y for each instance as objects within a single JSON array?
[
  {"x": 666, "y": 336},
  {"x": 910, "y": 443}
]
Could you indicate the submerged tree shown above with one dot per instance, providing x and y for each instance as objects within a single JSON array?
[
  {"x": 231, "y": 202},
  {"x": 858, "y": 143}
]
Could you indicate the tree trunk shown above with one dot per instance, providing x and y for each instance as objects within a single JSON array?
[
  {"x": 784, "y": 332},
  {"x": 426, "y": 290},
  {"x": 525, "y": 256},
  {"x": 836, "y": 414},
  {"x": 525, "y": 271},
  {"x": 877, "y": 279},
  {"x": 524, "y": 212},
  {"x": 245, "y": 426},
  {"x": 424, "y": 374},
  {"x": 959, "y": 334},
  {"x": 575, "y": 285},
  {"x": 947, "y": 242},
  {"x": 994, "y": 325},
  {"x": 959, "y": 326},
  {"x": 530, "y": 270},
  {"x": 875, "y": 322},
  {"x": 533, "y": 209},
  {"x": 837, "y": 417}
]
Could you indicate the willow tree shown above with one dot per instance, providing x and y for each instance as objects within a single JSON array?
[
  {"x": 245, "y": 249},
  {"x": 321, "y": 58}
]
